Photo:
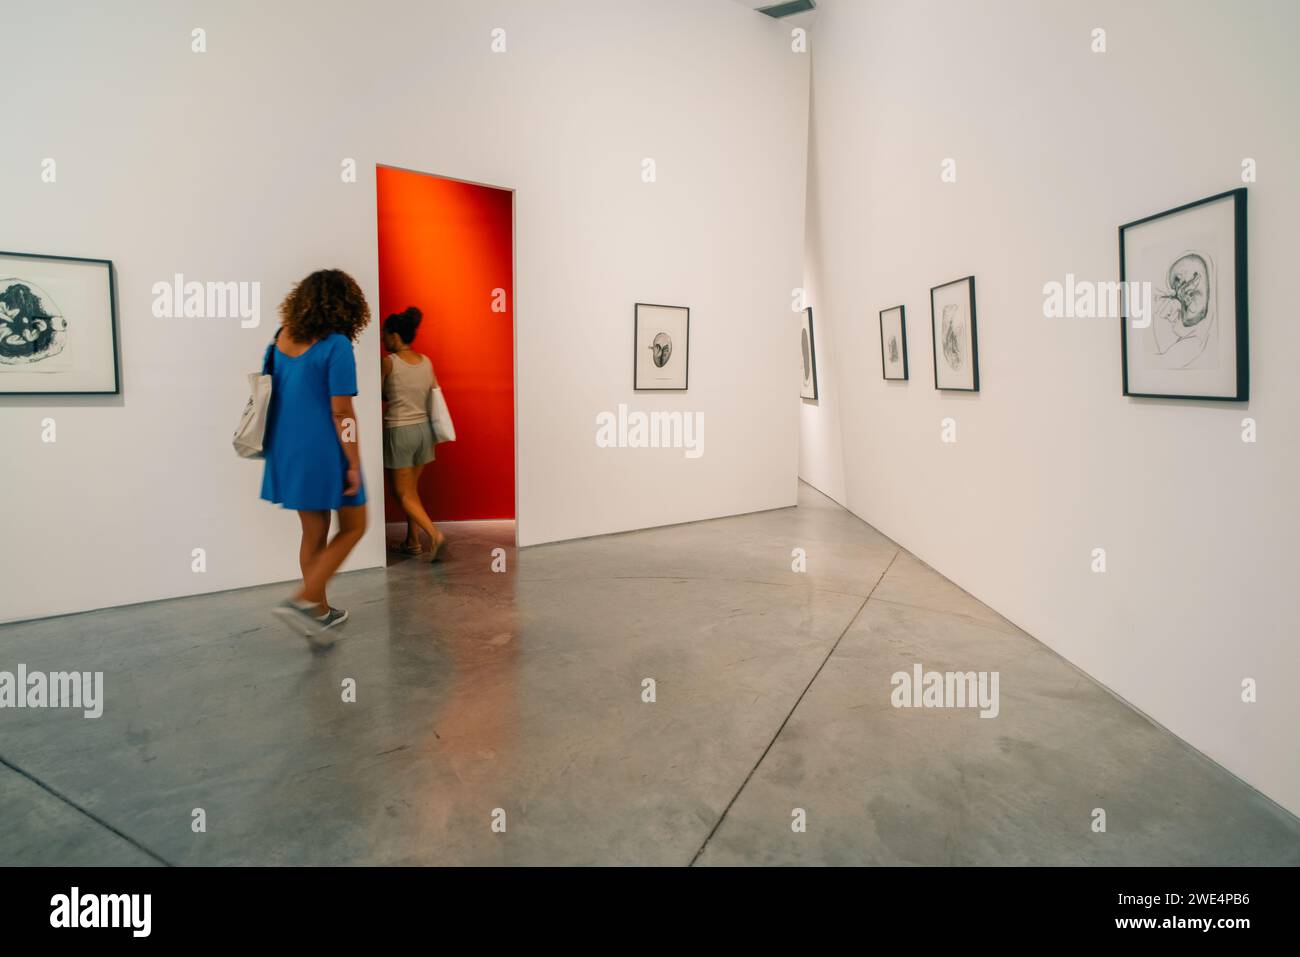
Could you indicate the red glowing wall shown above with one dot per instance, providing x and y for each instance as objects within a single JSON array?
[{"x": 447, "y": 247}]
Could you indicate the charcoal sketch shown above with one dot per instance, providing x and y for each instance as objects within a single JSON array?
[
  {"x": 1184, "y": 322},
  {"x": 953, "y": 326},
  {"x": 893, "y": 349},
  {"x": 32, "y": 329},
  {"x": 660, "y": 349}
]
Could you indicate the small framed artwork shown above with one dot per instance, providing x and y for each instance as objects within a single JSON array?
[
  {"x": 58, "y": 326},
  {"x": 663, "y": 346},
  {"x": 893, "y": 343},
  {"x": 808, "y": 350},
  {"x": 952, "y": 331},
  {"x": 1183, "y": 273}
]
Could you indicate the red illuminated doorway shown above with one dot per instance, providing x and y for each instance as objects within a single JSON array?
[{"x": 447, "y": 247}]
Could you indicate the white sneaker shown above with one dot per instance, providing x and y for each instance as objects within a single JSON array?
[{"x": 298, "y": 616}]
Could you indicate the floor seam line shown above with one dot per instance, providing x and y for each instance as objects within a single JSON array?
[
  {"x": 77, "y": 807},
  {"x": 752, "y": 771}
]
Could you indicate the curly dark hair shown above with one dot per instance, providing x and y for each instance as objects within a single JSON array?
[
  {"x": 404, "y": 323},
  {"x": 329, "y": 300}
]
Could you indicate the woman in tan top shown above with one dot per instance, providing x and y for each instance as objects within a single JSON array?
[{"x": 408, "y": 433}]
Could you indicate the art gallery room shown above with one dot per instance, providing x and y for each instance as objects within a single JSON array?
[{"x": 650, "y": 432}]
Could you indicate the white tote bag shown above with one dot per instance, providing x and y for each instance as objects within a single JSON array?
[
  {"x": 440, "y": 416},
  {"x": 252, "y": 424}
]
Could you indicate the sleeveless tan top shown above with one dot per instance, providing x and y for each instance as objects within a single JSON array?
[{"x": 406, "y": 390}]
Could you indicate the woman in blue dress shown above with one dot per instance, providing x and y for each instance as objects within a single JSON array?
[{"x": 313, "y": 463}]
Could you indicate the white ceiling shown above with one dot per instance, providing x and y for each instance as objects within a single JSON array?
[{"x": 798, "y": 20}]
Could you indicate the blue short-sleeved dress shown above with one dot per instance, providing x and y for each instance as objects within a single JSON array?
[{"x": 305, "y": 465}]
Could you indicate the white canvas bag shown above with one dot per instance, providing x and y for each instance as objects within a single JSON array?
[
  {"x": 251, "y": 433},
  {"x": 440, "y": 417}
]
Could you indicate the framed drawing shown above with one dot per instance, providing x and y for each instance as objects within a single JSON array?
[
  {"x": 893, "y": 343},
  {"x": 952, "y": 332},
  {"x": 58, "y": 326},
  {"x": 662, "y": 335},
  {"x": 1188, "y": 265},
  {"x": 808, "y": 350}
]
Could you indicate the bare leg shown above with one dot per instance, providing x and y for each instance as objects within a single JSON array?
[
  {"x": 352, "y": 525},
  {"x": 315, "y": 536},
  {"x": 412, "y": 541},
  {"x": 406, "y": 485},
  {"x": 437, "y": 538}
]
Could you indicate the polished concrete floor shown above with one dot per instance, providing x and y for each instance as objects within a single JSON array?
[{"x": 522, "y": 691}]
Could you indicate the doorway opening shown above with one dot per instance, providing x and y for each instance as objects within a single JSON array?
[{"x": 446, "y": 246}]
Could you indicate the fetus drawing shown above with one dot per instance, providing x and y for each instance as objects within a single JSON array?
[
  {"x": 953, "y": 328},
  {"x": 660, "y": 349},
  {"x": 1184, "y": 323}
]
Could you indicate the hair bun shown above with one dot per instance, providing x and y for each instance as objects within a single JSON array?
[{"x": 404, "y": 323}]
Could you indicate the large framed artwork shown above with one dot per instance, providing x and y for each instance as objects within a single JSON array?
[
  {"x": 893, "y": 343},
  {"x": 58, "y": 326},
  {"x": 808, "y": 351},
  {"x": 1188, "y": 265},
  {"x": 952, "y": 331},
  {"x": 663, "y": 347}
]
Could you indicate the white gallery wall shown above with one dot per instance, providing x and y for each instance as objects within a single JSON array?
[
  {"x": 226, "y": 166},
  {"x": 1055, "y": 147},
  {"x": 821, "y": 457}
]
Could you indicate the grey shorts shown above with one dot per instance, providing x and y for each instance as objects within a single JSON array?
[{"x": 408, "y": 445}]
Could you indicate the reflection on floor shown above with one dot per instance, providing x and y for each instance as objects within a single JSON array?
[{"x": 518, "y": 695}]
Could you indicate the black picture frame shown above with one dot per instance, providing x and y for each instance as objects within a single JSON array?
[
  {"x": 974, "y": 338},
  {"x": 902, "y": 326},
  {"x": 636, "y": 334},
  {"x": 112, "y": 318},
  {"x": 1241, "y": 299},
  {"x": 812, "y": 358}
]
